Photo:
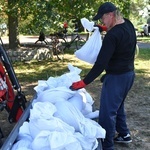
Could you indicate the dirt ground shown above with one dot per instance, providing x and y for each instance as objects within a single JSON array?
[
  {"x": 138, "y": 113},
  {"x": 137, "y": 107}
]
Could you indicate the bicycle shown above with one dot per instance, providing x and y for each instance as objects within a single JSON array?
[
  {"x": 56, "y": 47},
  {"x": 69, "y": 40}
]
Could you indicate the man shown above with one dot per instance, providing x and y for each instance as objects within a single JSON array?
[{"x": 116, "y": 57}]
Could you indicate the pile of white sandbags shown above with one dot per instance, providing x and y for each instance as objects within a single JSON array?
[{"x": 60, "y": 119}]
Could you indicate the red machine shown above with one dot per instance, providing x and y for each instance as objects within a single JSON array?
[{"x": 11, "y": 97}]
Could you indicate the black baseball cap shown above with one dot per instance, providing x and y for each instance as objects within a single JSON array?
[{"x": 105, "y": 8}]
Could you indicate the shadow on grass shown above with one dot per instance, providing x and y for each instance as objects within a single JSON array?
[
  {"x": 42, "y": 70},
  {"x": 144, "y": 54}
]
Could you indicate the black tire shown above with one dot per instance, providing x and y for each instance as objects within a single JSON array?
[
  {"x": 64, "y": 44},
  {"x": 59, "y": 51},
  {"x": 79, "y": 43},
  {"x": 57, "y": 48}
]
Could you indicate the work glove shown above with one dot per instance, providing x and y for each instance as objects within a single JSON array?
[
  {"x": 77, "y": 85},
  {"x": 101, "y": 28}
]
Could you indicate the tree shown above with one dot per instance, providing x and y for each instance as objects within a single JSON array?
[
  {"x": 13, "y": 24},
  {"x": 31, "y": 16}
]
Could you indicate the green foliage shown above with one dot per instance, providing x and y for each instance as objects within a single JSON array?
[
  {"x": 49, "y": 15},
  {"x": 148, "y": 20},
  {"x": 124, "y": 6}
]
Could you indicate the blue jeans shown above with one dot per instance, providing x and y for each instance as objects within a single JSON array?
[{"x": 112, "y": 115}]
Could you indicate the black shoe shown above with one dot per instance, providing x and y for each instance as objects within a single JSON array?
[{"x": 123, "y": 139}]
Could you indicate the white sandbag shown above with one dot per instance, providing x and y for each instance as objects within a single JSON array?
[
  {"x": 24, "y": 132},
  {"x": 24, "y": 138},
  {"x": 91, "y": 129},
  {"x": 47, "y": 140},
  {"x": 87, "y": 109},
  {"x": 23, "y": 148},
  {"x": 43, "y": 110},
  {"x": 86, "y": 143},
  {"x": 55, "y": 94},
  {"x": 52, "y": 82},
  {"x": 67, "y": 78},
  {"x": 72, "y": 116},
  {"x": 23, "y": 144},
  {"x": 92, "y": 115},
  {"x": 74, "y": 69},
  {"x": 69, "y": 114},
  {"x": 53, "y": 124},
  {"x": 41, "y": 118},
  {"x": 89, "y": 98},
  {"x": 42, "y": 86},
  {"x": 90, "y": 50},
  {"x": 64, "y": 80},
  {"x": 87, "y": 24},
  {"x": 77, "y": 101}
]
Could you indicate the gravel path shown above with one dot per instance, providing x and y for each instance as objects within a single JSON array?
[
  {"x": 32, "y": 39},
  {"x": 143, "y": 45}
]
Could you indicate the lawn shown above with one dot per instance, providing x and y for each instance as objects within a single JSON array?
[
  {"x": 145, "y": 39},
  {"x": 41, "y": 70},
  {"x": 137, "y": 103}
]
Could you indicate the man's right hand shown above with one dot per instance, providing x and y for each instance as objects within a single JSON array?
[{"x": 101, "y": 28}]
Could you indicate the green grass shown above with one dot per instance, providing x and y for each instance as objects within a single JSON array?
[
  {"x": 142, "y": 62},
  {"x": 144, "y": 39},
  {"x": 41, "y": 70}
]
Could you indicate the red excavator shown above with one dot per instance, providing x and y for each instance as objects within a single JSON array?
[{"x": 12, "y": 99}]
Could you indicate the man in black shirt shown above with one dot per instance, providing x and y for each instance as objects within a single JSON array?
[{"x": 116, "y": 57}]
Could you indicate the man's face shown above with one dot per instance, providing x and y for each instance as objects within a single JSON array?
[{"x": 107, "y": 20}]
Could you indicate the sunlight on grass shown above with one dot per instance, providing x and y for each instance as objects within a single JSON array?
[
  {"x": 144, "y": 39},
  {"x": 142, "y": 62},
  {"x": 24, "y": 70},
  {"x": 42, "y": 70}
]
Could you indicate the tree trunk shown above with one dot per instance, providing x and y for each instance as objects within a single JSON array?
[
  {"x": 13, "y": 27},
  {"x": 13, "y": 32}
]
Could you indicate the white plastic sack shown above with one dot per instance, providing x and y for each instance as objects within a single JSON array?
[
  {"x": 24, "y": 132},
  {"x": 41, "y": 118},
  {"x": 55, "y": 124},
  {"x": 72, "y": 116},
  {"x": 42, "y": 85},
  {"x": 64, "y": 80},
  {"x": 77, "y": 101},
  {"x": 87, "y": 24},
  {"x": 23, "y": 144},
  {"x": 86, "y": 143},
  {"x": 54, "y": 95},
  {"x": 67, "y": 112},
  {"x": 47, "y": 140},
  {"x": 42, "y": 110},
  {"x": 91, "y": 129},
  {"x": 89, "y": 51}
]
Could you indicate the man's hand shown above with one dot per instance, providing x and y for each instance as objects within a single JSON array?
[
  {"x": 77, "y": 85},
  {"x": 101, "y": 28}
]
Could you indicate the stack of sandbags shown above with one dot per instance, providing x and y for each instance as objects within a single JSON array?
[{"x": 60, "y": 118}]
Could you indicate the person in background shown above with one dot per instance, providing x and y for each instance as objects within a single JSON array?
[
  {"x": 116, "y": 57},
  {"x": 145, "y": 30},
  {"x": 148, "y": 28},
  {"x": 65, "y": 26},
  {"x": 41, "y": 38}
]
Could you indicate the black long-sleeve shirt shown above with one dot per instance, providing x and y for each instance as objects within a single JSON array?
[{"x": 117, "y": 52}]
